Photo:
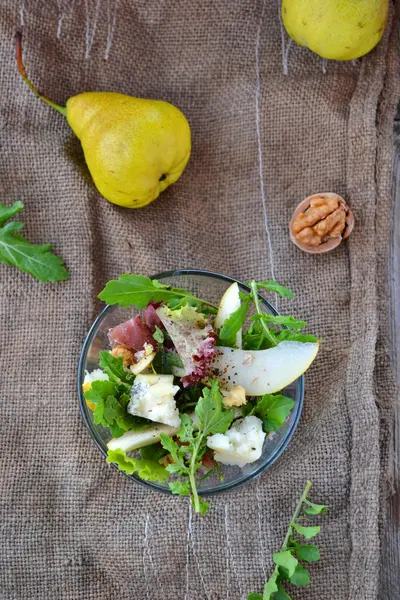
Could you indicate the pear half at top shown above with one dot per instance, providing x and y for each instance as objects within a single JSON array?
[
  {"x": 134, "y": 148},
  {"x": 262, "y": 372}
]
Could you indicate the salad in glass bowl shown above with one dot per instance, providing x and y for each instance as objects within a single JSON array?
[{"x": 181, "y": 387}]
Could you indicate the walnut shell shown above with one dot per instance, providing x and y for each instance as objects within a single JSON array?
[{"x": 330, "y": 244}]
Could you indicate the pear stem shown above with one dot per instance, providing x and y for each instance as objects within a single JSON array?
[{"x": 21, "y": 68}]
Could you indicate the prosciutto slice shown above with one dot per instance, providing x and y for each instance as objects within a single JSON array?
[
  {"x": 132, "y": 334},
  {"x": 151, "y": 317}
]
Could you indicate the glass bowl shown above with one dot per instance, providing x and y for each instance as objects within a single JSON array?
[{"x": 211, "y": 287}]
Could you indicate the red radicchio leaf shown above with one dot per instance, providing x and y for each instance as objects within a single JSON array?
[{"x": 194, "y": 340}]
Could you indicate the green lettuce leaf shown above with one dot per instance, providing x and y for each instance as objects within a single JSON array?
[{"x": 149, "y": 470}]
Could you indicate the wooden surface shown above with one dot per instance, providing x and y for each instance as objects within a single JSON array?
[{"x": 390, "y": 575}]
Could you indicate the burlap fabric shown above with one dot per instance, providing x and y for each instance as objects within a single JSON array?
[{"x": 71, "y": 527}]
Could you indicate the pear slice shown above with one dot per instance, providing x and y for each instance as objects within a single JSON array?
[
  {"x": 230, "y": 302},
  {"x": 132, "y": 440},
  {"x": 263, "y": 371}
]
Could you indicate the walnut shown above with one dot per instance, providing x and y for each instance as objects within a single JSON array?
[
  {"x": 127, "y": 355},
  {"x": 321, "y": 222},
  {"x": 166, "y": 460},
  {"x": 235, "y": 397}
]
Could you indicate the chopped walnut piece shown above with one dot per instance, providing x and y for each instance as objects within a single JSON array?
[
  {"x": 166, "y": 460},
  {"x": 127, "y": 355},
  {"x": 235, "y": 397},
  {"x": 143, "y": 361},
  {"x": 320, "y": 222}
]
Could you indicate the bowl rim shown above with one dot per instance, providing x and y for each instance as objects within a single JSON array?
[{"x": 229, "y": 486}]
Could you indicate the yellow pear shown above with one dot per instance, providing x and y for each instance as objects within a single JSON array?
[
  {"x": 336, "y": 29},
  {"x": 134, "y": 147}
]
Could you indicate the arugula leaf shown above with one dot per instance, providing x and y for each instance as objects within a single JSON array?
[
  {"x": 273, "y": 286},
  {"x": 180, "y": 488},
  {"x": 209, "y": 409},
  {"x": 255, "y": 339},
  {"x": 114, "y": 368},
  {"x": 188, "y": 397},
  {"x": 262, "y": 335},
  {"x": 110, "y": 408},
  {"x": 315, "y": 509},
  {"x": 268, "y": 333},
  {"x": 234, "y": 322},
  {"x": 307, "y": 553},
  {"x": 300, "y": 576},
  {"x": 138, "y": 291},
  {"x": 186, "y": 429},
  {"x": 170, "y": 445},
  {"x": 177, "y": 453},
  {"x": 212, "y": 418},
  {"x": 287, "y": 566},
  {"x": 158, "y": 335},
  {"x": 273, "y": 410},
  {"x": 203, "y": 506},
  {"x": 307, "y": 532},
  {"x": 286, "y": 335},
  {"x": 281, "y": 594},
  {"x": 164, "y": 360},
  {"x": 149, "y": 470},
  {"x": 100, "y": 418},
  {"x": 285, "y": 559},
  {"x": 100, "y": 389},
  {"x": 271, "y": 586},
  {"x": 286, "y": 320},
  {"x": 153, "y": 452},
  {"x": 179, "y": 465},
  {"x": 16, "y": 251},
  {"x": 7, "y": 212}
]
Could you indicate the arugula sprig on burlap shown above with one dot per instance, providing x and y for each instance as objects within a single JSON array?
[
  {"x": 16, "y": 251},
  {"x": 287, "y": 561}
]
